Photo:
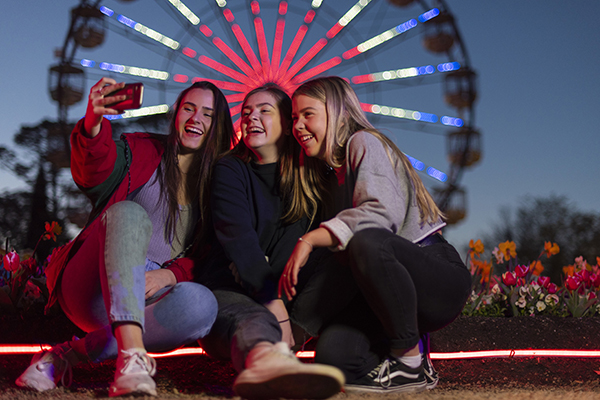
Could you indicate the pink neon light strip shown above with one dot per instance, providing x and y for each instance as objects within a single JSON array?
[
  {"x": 289, "y": 56},
  {"x": 32, "y": 349},
  {"x": 239, "y": 35},
  {"x": 317, "y": 70},
  {"x": 334, "y": 30},
  {"x": 262, "y": 46},
  {"x": 189, "y": 52},
  {"x": 306, "y": 58},
  {"x": 283, "y": 6},
  {"x": 237, "y": 60},
  {"x": 234, "y": 98},
  {"x": 351, "y": 53},
  {"x": 277, "y": 44},
  {"x": 180, "y": 78},
  {"x": 255, "y": 7},
  {"x": 310, "y": 15},
  {"x": 205, "y": 30},
  {"x": 228, "y": 15},
  {"x": 236, "y": 87},
  {"x": 217, "y": 66},
  {"x": 362, "y": 79}
]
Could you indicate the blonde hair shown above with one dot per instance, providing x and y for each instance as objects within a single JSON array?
[{"x": 344, "y": 118}]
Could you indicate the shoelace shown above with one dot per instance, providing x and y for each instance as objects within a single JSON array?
[
  {"x": 381, "y": 370},
  {"x": 57, "y": 361},
  {"x": 136, "y": 361}
]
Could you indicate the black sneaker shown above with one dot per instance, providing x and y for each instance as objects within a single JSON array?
[
  {"x": 391, "y": 376},
  {"x": 431, "y": 374}
]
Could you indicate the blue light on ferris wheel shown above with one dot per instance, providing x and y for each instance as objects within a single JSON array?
[
  {"x": 437, "y": 174},
  {"x": 418, "y": 165},
  {"x": 87, "y": 63},
  {"x": 126, "y": 21},
  {"x": 425, "y": 117},
  {"x": 451, "y": 121},
  {"x": 106, "y": 11},
  {"x": 434, "y": 12},
  {"x": 449, "y": 66},
  {"x": 406, "y": 26}
]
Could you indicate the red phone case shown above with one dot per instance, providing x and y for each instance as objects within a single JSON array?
[{"x": 135, "y": 96}]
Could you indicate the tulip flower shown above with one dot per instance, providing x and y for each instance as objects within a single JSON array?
[
  {"x": 508, "y": 249},
  {"x": 521, "y": 270},
  {"x": 544, "y": 281},
  {"x": 584, "y": 276},
  {"x": 572, "y": 283},
  {"x": 595, "y": 280},
  {"x": 11, "y": 261},
  {"x": 552, "y": 288},
  {"x": 52, "y": 229},
  {"x": 509, "y": 278}
]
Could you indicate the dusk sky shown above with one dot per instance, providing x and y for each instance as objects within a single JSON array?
[{"x": 538, "y": 86}]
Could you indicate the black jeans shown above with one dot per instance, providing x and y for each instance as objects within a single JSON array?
[
  {"x": 397, "y": 291},
  {"x": 241, "y": 323}
]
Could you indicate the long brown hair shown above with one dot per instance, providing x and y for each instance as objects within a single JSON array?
[
  {"x": 290, "y": 186},
  {"x": 218, "y": 140},
  {"x": 344, "y": 118}
]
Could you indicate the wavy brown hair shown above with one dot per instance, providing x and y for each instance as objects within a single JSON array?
[
  {"x": 290, "y": 187},
  {"x": 219, "y": 139},
  {"x": 344, "y": 118}
]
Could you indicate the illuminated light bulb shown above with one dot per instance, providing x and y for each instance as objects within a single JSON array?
[
  {"x": 87, "y": 63},
  {"x": 316, "y": 3},
  {"x": 418, "y": 165},
  {"x": 206, "y": 30},
  {"x": 437, "y": 174},
  {"x": 221, "y": 3},
  {"x": 255, "y": 7},
  {"x": 434, "y": 12},
  {"x": 283, "y": 6},
  {"x": 186, "y": 12},
  {"x": 126, "y": 21},
  {"x": 375, "y": 109},
  {"x": 106, "y": 11},
  {"x": 310, "y": 15},
  {"x": 385, "y": 110},
  {"x": 416, "y": 115},
  {"x": 189, "y": 52}
]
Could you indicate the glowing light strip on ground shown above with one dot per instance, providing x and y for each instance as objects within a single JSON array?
[
  {"x": 32, "y": 349},
  {"x": 185, "y": 11},
  {"x": 144, "y": 30},
  {"x": 127, "y": 70}
]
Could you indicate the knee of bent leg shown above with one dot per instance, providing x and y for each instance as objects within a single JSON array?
[
  {"x": 365, "y": 241},
  {"x": 198, "y": 303},
  {"x": 130, "y": 213}
]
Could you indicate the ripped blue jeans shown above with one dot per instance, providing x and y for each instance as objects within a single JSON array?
[{"x": 104, "y": 283}]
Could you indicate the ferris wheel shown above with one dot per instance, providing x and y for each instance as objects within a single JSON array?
[{"x": 405, "y": 59}]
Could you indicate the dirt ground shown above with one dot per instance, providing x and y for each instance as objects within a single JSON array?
[{"x": 199, "y": 377}]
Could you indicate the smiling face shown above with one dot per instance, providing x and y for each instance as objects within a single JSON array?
[
  {"x": 194, "y": 119},
  {"x": 310, "y": 125},
  {"x": 262, "y": 127}
]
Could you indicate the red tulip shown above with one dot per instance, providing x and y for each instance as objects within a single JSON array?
[
  {"x": 572, "y": 283},
  {"x": 543, "y": 281},
  {"x": 11, "y": 261},
  {"x": 591, "y": 295},
  {"x": 584, "y": 276},
  {"x": 552, "y": 288},
  {"x": 522, "y": 270},
  {"x": 595, "y": 279},
  {"x": 509, "y": 278}
]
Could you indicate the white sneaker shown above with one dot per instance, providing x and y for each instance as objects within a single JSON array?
[
  {"x": 272, "y": 371},
  {"x": 134, "y": 373},
  {"x": 48, "y": 368}
]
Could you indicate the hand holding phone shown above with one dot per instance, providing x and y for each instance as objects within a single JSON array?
[{"x": 135, "y": 96}]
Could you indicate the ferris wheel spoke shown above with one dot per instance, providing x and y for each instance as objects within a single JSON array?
[
  {"x": 278, "y": 40},
  {"x": 261, "y": 39},
  {"x": 217, "y": 66},
  {"x": 321, "y": 43}
]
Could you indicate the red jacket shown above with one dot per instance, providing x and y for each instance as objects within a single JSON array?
[{"x": 107, "y": 172}]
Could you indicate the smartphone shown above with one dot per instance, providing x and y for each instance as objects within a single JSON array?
[{"x": 135, "y": 96}]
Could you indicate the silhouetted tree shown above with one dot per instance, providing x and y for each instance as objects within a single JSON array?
[{"x": 549, "y": 219}]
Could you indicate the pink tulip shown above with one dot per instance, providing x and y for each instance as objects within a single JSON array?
[
  {"x": 572, "y": 283},
  {"x": 522, "y": 270},
  {"x": 544, "y": 281},
  {"x": 591, "y": 295},
  {"x": 552, "y": 288},
  {"x": 509, "y": 278},
  {"x": 12, "y": 261}
]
